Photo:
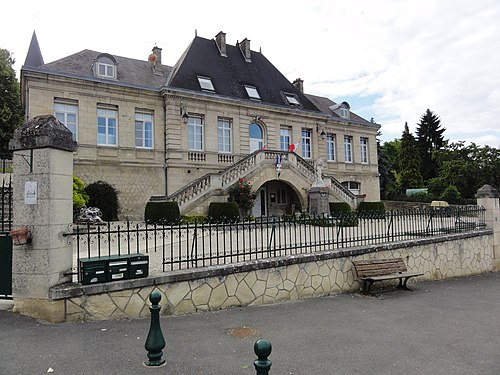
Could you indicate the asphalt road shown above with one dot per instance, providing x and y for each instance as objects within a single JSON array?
[{"x": 443, "y": 327}]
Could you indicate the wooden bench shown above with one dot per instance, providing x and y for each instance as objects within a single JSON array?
[{"x": 383, "y": 269}]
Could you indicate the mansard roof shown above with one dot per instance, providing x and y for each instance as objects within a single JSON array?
[
  {"x": 229, "y": 74},
  {"x": 325, "y": 106},
  {"x": 131, "y": 72}
]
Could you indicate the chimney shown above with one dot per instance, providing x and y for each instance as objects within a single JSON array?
[
  {"x": 299, "y": 84},
  {"x": 245, "y": 50},
  {"x": 157, "y": 52},
  {"x": 220, "y": 40}
]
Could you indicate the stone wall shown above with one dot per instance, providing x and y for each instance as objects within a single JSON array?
[{"x": 274, "y": 280}]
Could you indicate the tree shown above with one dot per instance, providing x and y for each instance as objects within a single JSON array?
[
  {"x": 11, "y": 112},
  {"x": 409, "y": 162},
  {"x": 243, "y": 195},
  {"x": 430, "y": 138},
  {"x": 466, "y": 167},
  {"x": 388, "y": 167}
]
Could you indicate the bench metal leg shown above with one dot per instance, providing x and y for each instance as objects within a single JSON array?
[
  {"x": 367, "y": 284},
  {"x": 402, "y": 285}
]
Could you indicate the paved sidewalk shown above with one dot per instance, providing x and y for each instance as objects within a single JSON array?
[{"x": 448, "y": 327}]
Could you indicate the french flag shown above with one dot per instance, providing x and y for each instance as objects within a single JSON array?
[{"x": 293, "y": 146}]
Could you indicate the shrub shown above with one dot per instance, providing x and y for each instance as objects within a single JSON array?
[
  {"x": 451, "y": 195},
  {"x": 242, "y": 193},
  {"x": 344, "y": 214},
  {"x": 103, "y": 196},
  {"x": 371, "y": 210},
  {"x": 339, "y": 207},
  {"x": 162, "y": 213},
  {"x": 220, "y": 212},
  {"x": 80, "y": 197}
]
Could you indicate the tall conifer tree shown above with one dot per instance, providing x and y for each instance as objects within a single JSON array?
[
  {"x": 409, "y": 162},
  {"x": 430, "y": 138}
]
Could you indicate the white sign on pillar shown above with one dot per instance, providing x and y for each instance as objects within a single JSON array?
[{"x": 30, "y": 192}]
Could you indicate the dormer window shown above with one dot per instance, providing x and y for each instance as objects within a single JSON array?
[
  {"x": 206, "y": 83},
  {"x": 105, "y": 67},
  {"x": 344, "y": 110},
  {"x": 292, "y": 99},
  {"x": 252, "y": 92}
]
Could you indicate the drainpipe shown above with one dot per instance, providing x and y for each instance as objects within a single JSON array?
[{"x": 165, "y": 143}]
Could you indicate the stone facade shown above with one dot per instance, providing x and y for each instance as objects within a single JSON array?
[
  {"x": 137, "y": 173},
  {"x": 274, "y": 280}
]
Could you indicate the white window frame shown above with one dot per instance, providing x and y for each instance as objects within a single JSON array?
[
  {"x": 107, "y": 65},
  {"x": 108, "y": 114},
  {"x": 306, "y": 143},
  {"x": 344, "y": 112},
  {"x": 206, "y": 83},
  {"x": 195, "y": 128},
  {"x": 292, "y": 99},
  {"x": 64, "y": 109},
  {"x": 285, "y": 138},
  {"x": 224, "y": 135},
  {"x": 348, "y": 149},
  {"x": 331, "y": 147},
  {"x": 252, "y": 92},
  {"x": 363, "y": 145},
  {"x": 144, "y": 128}
]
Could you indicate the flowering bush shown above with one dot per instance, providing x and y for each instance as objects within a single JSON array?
[{"x": 243, "y": 195}]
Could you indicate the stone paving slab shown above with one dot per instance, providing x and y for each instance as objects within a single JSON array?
[{"x": 443, "y": 327}]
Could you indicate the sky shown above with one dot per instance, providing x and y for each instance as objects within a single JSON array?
[{"x": 391, "y": 60}]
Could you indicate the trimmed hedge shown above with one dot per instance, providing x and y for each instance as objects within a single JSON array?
[
  {"x": 162, "y": 213},
  {"x": 344, "y": 214},
  {"x": 339, "y": 207},
  {"x": 371, "y": 210},
  {"x": 219, "y": 212}
]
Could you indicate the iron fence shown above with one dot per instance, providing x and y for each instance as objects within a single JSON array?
[{"x": 192, "y": 245}]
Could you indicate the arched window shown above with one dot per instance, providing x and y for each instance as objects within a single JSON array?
[
  {"x": 256, "y": 137},
  {"x": 105, "y": 67}
]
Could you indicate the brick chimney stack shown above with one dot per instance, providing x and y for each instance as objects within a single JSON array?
[
  {"x": 299, "y": 84},
  {"x": 245, "y": 50},
  {"x": 220, "y": 40},
  {"x": 157, "y": 52}
]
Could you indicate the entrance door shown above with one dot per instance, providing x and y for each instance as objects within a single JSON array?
[{"x": 259, "y": 208}]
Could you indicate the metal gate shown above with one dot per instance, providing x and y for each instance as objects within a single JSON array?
[{"x": 5, "y": 240}]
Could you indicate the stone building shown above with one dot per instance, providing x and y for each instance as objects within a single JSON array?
[{"x": 190, "y": 131}]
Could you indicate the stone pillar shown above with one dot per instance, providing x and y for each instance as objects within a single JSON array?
[
  {"x": 43, "y": 203},
  {"x": 318, "y": 201},
  {"x": 488, "y": 197}
]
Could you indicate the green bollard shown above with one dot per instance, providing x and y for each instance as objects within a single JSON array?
[
  {"x": 262, "y": 349},
  {"x": 155, "y": 341}
]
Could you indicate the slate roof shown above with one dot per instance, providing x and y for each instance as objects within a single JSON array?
[
  {"x": 324, "y": 104},
  {"x": 34, "y": 55},
  {"x": 230, "y": 74},
  {"x": 132, "y": 72}
]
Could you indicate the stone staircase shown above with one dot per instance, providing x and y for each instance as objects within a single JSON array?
[{"x": 215, "y": 184}]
